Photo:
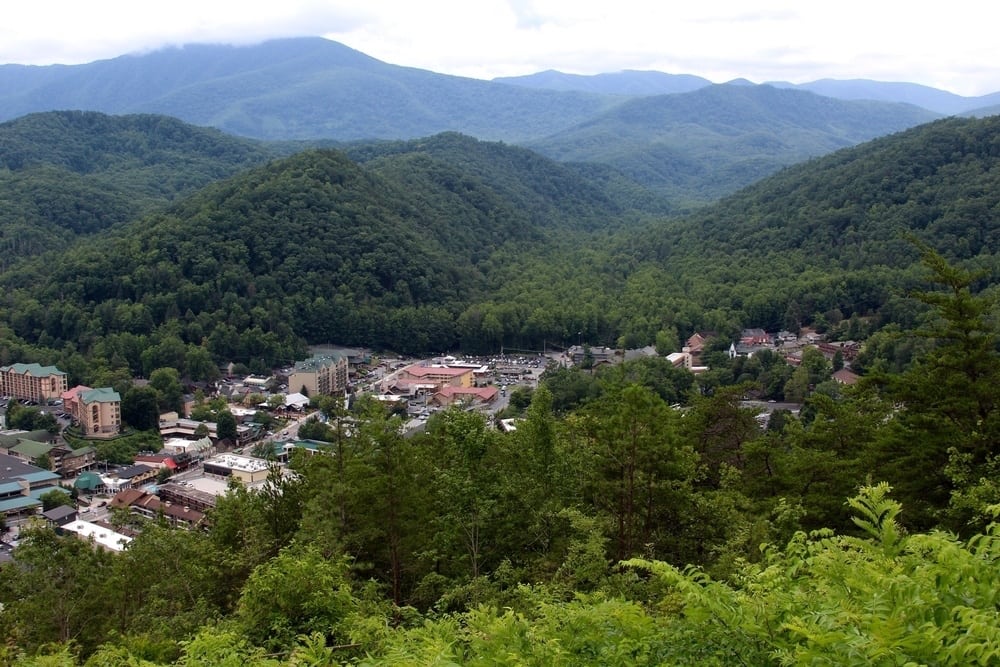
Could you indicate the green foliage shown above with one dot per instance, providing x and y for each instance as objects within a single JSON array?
[
  {"x": 298, "y": 592},
  {"x": 56, "y": 498},
  {"x": 68, "y": 174},
  {"x": 226, "y": 426},
  {"x": 140, "y": 408},
  {"x": 889, "y": 598},
  {"x": 698, "y": 146},
  {"x": 55, "y": 592},
  {"x": 30, "y": 419}
]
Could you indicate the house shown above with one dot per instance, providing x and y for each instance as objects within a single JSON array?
[
  {"x": 60, "y": 516},
  {"x": 846, "y": 377},
  {"x": 131, "y": 477},
  {"x": 61, "y": 458},
  {"x": 160, "y": 460},
  {"x": 320, "y": 375},
  {"x": 32, "y": 382},
  {"x": 600, "y": 354},
  {"x": 755, "y": 337}
]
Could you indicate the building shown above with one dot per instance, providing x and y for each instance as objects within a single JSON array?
[
  {"x": 61, "y": 458},
  {"x": 22, "y": 486},
  {"x": 599, "y": 354},
  {"x": 60, "y": 515},
  {"x": 245, "y": 468},
  {"x": 32, "y": 382},
  {"x": 131, "y": 477},
  {"x": 755, "y": 338},
  {"x": 189, "y": 448},
  {"x": 320, "y": 375},
  {"x": 101, "y": 536},
  {"x": 185, "y": 495},
  {"x": 188, "y": 429},
  {"x": 149, "y": 506},
  {"x": 99, "y": 412},
  {"x": 450, "y": 395},
  {"x": 436, "y": 377}
]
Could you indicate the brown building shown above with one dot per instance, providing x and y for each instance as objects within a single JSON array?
[
  {"x": 149, "y": 506},
  {"x": 32, "y": 382},
  {"x": 99, "y": 412},
  {"x": 319, "y": 375},
  {"x": 439, "y": 376}
]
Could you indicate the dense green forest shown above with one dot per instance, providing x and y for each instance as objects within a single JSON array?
[
  {"x": 450, "y": 243},
  {"x": 69, "y": 174},
  {"x": 638, "y": 514},
  {"x": 609, "y": 528},
  {"x": 701, "y": 145}
]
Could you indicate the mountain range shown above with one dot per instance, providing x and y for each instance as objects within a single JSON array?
[
  {"x": 678, "y": 134},
  {"x": 637, "y": 82},
  {"x": 448, "y": 241}
]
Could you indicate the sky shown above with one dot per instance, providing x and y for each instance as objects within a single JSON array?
[{"x": 948, "y": 45}]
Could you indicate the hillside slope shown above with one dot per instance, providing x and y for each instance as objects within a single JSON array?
[
  {"x": 701, "y": 145},
  {"x": 304, "y": 88},
  {"x": 68, "y": 173},
  {"x": 313, "y": 248}
]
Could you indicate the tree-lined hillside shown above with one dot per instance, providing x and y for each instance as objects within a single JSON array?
[
  {"x": 69, "y": 173},
  {"x": 304, "y": 88},
  {"x": 310, "y": 248},
  {"x": 698, "y": 146},
  {"x": 449, "y": 242},
  {"x": 695, "y": 145}
]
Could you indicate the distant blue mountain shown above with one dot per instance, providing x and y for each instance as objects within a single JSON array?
[
  {"x": 940, "y": 101},
  {"x": 657, "y": 83},
  {"x": 303, "y": 88},
  {"x": 628, "y": 82}
]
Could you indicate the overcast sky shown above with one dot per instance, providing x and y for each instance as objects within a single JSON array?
[{"x": 950, "y": 45}]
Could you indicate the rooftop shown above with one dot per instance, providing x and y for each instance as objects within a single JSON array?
[
  {"x": 315, "y": 363},
  {"x": 105, "y": 537},
  {"x": 34, "y": 370},
  {"x": 101, "y": 395},
  {"x": 12, "y": 468},
  {"x": 237, "y": 462}
]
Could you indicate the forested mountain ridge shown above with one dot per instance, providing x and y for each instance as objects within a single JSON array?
[
  {"x": 314, "y": 248},
  {"x": 830, "y": 236},
  {"x": 552, "y": 194},
  {"x": 631, "y": 82},
  {"x": 628, "y": 82},
  {"x": 939, "y": 181},
  {"x": 622, "y": 522},
  {"x": 449, "y": 242},
  {"x": 700, "y": 145},
  {"x": 304, "y": 88},
  {"x": 70, "y": 173},
  {"x": 693, "y": 146}
]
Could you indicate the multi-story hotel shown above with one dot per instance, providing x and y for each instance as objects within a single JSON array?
[
  {"x": 99, "y": 412},
  {"x": 32, "y": 382},
  {"x": 319, "y": 375}
]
